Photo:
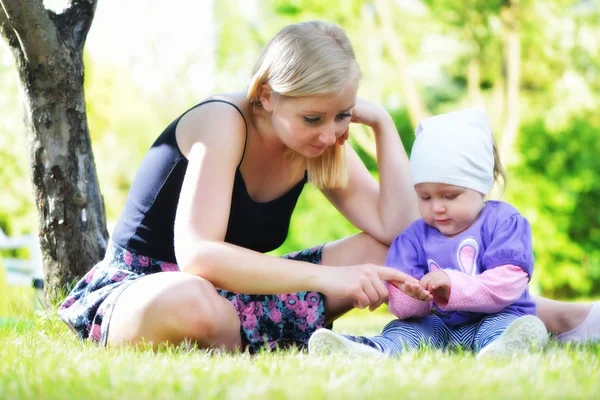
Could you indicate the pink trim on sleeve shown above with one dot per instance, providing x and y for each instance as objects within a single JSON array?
[
  {"x": 403, "y": 306},
  {"x": 490, "y": 292}
]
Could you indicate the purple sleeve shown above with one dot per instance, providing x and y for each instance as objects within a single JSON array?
[
  {"x": 510, "y": 245},
  {"x": 405, "y": 254}
]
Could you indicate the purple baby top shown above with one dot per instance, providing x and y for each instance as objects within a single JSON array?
[{"x": 500, "y": 236}]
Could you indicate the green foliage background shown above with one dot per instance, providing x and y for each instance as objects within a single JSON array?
[{"x": 554, "y": 182}]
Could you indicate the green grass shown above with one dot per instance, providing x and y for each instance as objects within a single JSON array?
[{"x": 41, "y": 359}]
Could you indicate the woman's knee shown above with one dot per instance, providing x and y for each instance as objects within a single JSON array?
[
  {"x": 173, "y": 307},
  {"x": 373, "y": 249},
  {"x": 361, "y": 248},
  {"x": 205, "y": 317}
]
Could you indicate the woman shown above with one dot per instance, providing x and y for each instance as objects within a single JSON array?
[{"x": 217, "y": 190}]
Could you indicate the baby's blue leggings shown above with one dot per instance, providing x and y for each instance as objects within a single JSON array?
[{"x": 400, "y": 335}]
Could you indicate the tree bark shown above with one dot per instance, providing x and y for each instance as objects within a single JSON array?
[
  {"x": 509, "y": 15},
  {"x": 415, "y": 105},
  {"x": 48, "y": 50}
]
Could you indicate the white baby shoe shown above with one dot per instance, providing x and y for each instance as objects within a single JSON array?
[
  {"x": 522, "y": 335},
  {"x": 326, "y": 342}
]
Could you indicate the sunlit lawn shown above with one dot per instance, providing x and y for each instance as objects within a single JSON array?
[{"x": 41, "y": 359}]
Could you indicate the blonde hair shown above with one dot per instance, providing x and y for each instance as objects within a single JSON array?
[
  {"x": 307, "y": 59},
  {"x": 499, "y": 171}
]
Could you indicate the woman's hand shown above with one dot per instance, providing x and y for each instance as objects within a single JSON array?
[
  {"x": 365, "y": 113},
  {"x": 365, "y": 284},
  {"x": 368, "y": 113}
]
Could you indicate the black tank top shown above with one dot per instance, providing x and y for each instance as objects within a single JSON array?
[{"x": 146, "y": 225}]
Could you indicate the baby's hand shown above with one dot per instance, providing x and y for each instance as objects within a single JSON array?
[
  {"x": 413, "y": 289},
  {"x": 438, "y": 284}
]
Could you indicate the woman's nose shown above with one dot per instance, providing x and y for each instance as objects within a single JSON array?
[{"x": 327, "y": 136}]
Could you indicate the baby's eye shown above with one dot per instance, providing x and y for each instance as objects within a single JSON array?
[
  {"x": 425, "y": 198},
  {"x": 451, "y": 196},
  {"x": 312, "y": 120},
  {"x": 343, "y": 116}
]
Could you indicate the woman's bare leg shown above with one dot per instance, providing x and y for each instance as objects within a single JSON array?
[
  {"x": 357, "y": 249},
  {"x": 559, "y": 316},
  {"x": 170, "y": 307}
]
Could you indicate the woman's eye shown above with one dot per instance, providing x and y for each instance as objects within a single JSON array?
[{"x": 311, "y": 120}]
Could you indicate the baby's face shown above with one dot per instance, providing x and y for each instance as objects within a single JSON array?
[{"x": 450, "y": 209}]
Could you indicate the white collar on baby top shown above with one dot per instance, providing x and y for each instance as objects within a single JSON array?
[{"x": 455, "y": 149}]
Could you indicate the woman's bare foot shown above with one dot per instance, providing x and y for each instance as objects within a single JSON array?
[{"x": 570, "y": 321}]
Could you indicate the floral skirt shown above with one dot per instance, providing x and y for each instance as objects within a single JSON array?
[{"x": 267, "y": 321}]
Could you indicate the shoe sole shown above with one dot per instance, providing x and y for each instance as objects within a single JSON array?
[
  {"x": 325, "y": 342},
  {"x": 522, "y": 335}
]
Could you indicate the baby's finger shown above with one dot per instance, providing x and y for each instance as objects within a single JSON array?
[
  {"x": 425, "y": 295},
  {"x": 415, "y": 291}
]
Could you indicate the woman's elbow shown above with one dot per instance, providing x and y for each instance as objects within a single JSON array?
[
  {"x": 194, "y": 259},
  {"x": 385, "y": 236},
  {"x": 391, "y": 231}
]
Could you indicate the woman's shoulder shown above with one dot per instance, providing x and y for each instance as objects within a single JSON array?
[
  {"x": 225, "y": 114},
  {"x": 222, "y": 104}
]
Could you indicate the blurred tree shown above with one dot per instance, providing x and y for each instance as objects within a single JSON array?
[
  {"x": 17, "y": 213},
  {"x": 123, "y": 122},
  {"x": 415, "y": 105},
  {"x": 510, "y": 15},
  {"x": 48, "y": 50},
  {"x": 473, "y": 24},
  {"x": 559, "y": 191},
  {"x": 490, "y": 32}
]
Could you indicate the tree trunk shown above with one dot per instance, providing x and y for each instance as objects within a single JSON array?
[
  {"x": 474, "y": 81},
  {"x": 415, "y": 105},
  {"x": 48, "y": 49},
  {"x": 512, "y": 59}
]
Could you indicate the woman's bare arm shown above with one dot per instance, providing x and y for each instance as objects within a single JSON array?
[
  {"x": 214, "y": 151},
  {"x": 382, "y": 209}
]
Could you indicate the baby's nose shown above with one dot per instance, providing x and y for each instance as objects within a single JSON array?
[{"x": 438, "y": 207}]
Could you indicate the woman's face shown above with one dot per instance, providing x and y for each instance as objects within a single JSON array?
[{"x": 308, "y": 125}]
